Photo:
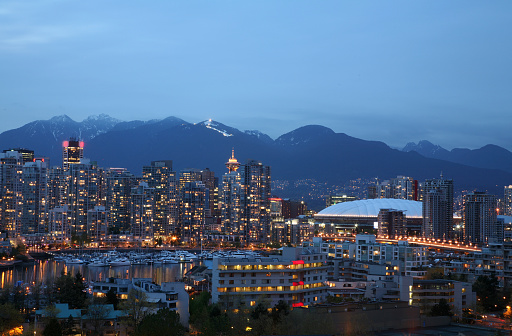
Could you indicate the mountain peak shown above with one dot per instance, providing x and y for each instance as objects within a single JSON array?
[
  {"x": 61, "y": 118},
  {"x": 304, "y": 134}
]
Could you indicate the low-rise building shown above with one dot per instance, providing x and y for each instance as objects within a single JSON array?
[{"x": 296, "y": 277}]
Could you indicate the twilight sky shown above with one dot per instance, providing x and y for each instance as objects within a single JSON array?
[{"x": 394, "y": 71}]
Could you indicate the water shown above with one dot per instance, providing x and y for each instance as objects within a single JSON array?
[{"x": 48, "y": 270}]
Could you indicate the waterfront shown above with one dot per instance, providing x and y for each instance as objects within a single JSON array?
[{"x": 47, "y": 270}]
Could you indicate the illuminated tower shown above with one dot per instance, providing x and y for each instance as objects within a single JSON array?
[
  {"x": 119, "y": 187},
  {"x": 232, "y": 163},
  {"x": 35, "y": 197},
  {"x": 162, "y": 178},
  {"x": 507, "y": 200},
  {"x": 481, "y": 224},
  {"x": 72, "y": 152},
  {"x": 11, "y": 192},
  {"x": 142, "y": 210},
  {"x": 438, "y": 209}
]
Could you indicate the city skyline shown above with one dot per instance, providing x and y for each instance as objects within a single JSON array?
[{"x": 401, "y": 73}]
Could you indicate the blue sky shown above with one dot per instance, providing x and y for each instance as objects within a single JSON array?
[{"x": 394, "y": 71}]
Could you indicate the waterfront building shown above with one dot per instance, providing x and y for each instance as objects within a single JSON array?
[
  {"x": 59, "y": 224},
  {"x": 170, "y": 295},
  {"x": 160, "y": 176},
  {"x": 193, "y": 204},
  {"x": 57, "y": 187},
  {"x": 296, "y": 277},
  {"x": 142, "y": 205},
  {"x": 438, "y": 209},
  {"x": 97, "y": 223},
  {"x": 83, "y": 193},
  {"x": 118, "y": 192},
  {"x": 34, "y": 194},
  {"x": 11, "y": 183},
  {"x": 72, "y": 152},
  {"x": 230, "y": 203},
  {"x": 480, "y": 219}
]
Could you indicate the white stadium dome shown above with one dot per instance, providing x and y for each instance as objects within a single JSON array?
[{"x": 370, "y": 208}]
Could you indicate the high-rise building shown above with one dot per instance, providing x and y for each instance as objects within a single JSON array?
[
  {"x": 35, "y": 194},
  {"x": 82, "y": 193},
  {"x": 392, "y": 222},
  {"x": 119, "y": 188},
  {"x": 59, "y": 224},
  {"x": 97, "y": 223},
  {"x": 72, "y": 152},
  {"x": 438, "y": 209},
  {"x": 481, "y": 224},
  {"x": 193, "y": 204},
  {"x": 255, "y": 179},
  {"x": 11, "y": 193},
  {"x": 57, "y": 187},
  {"x": 142, "y": 207},
  {"x": 507, "y": 201},
  {"x": 26, "y": 154},
  {"x": 230, "y": 203},
  {"x": 160, "y": 176},
  {"x": 401, "y": 187}
]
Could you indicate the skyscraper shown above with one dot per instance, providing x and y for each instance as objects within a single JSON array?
[
  {"x": 481, "y": 225},
  {"x": 119, "y": 188},
  {"x": 255, "y": 179},
  {"x": 11, "y": 192},
  {"x": 507, "y": 200},
  {"x": 438, "y": 209},
  {"x": 35, "y": 195},
  {"x": 193, "y": 205},
  {"x": 72, "y": 152},
  {"x": 142, "y": 207},
  {"x": 160, "y": 176}
]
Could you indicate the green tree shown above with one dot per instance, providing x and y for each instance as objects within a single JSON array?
[
  {"x": 71, "y": 290},
  {"x": 441, "y": 309},
  {"x": 52, "y": 328},
  {"x": 111, "y": 298},
  {"x": 136, "y": 307},
  {"x": 164, "y": 322},
  {"x": 68, "y": 326},
  {"x": 489, "y": 295},
  {"x": 97, "y": 314},
  {"x": 10, "y": 317}
]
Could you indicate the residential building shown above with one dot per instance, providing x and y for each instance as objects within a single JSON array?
[
  {"x": 438, "y": 209},
  {"x": 481, "y": 224}
]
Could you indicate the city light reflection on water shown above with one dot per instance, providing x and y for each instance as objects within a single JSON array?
[{"x": 47, "y": 271}]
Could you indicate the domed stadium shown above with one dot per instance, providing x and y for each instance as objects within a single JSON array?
[{"x": 364, "y": 213}]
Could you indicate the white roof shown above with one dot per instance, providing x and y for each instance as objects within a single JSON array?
[{"x": 371, "y": 208}]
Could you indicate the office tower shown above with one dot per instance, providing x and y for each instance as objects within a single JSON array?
[
  {"x": 59, "y": 224},
  {"x": 255, "y": 179},
  {"x": 507, "y": 201},
  {"x": 35, "y": 194},
  {"x": 118, "y": 192},
  {"x": 194, "y": 200},
  {"x": 97, "y": 223},
  {"x": 142, "y": 207},
  {"x": 162, "y": 178},
  {"x": 438, "y": 209},
  {"x": 26, "y": 154},
  {"x": 392, "y": 223},
  {"x": 82, "y": 193},
  {"x": 335, "y": 199},
  {"x": 480, "y": 219},
  {"x": 11, "y": 192},
  {"x": 72, "y": 152}
]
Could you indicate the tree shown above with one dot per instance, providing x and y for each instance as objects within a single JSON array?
[
  {"x": 164, "y": 322},
  {"x": 10, "y": 318},
  {"x": 68, "y": 326},
  {"x": 111, "y": 298},
  {"x": 136, "y": 307},
  {"x": 52, "y": 328},
  {"x": 71, "y": 290},
  {"x": 441, "y": 309},
  {"x": 96, "y": 316},
  {"x": 488, "y": 292}
]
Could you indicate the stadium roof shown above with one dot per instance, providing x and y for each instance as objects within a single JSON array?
[{"x": 371, "y": 208}]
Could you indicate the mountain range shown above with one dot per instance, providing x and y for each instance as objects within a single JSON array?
[{"x": 311, "y": 152}]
